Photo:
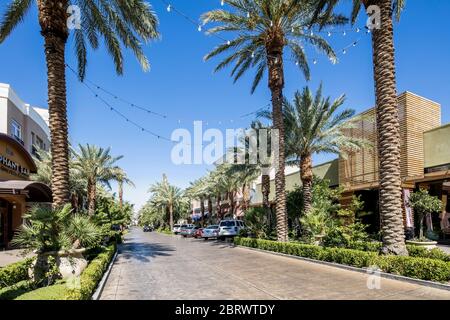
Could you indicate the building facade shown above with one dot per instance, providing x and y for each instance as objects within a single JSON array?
[
  {"x": 25, "y": 123},
  {"x": 23, "y": 130},
  {"x": 425, "y": 161}
]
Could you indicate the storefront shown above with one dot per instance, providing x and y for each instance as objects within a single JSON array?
[{"x": 17, "y": 192}]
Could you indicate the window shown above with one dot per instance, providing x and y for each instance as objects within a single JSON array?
[{"x": 16, "y": 130}]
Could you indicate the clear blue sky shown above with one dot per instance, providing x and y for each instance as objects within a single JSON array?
[{"x": 182, "y": 86}]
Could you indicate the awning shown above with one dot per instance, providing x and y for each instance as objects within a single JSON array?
[{"x": 34, "y": 191}]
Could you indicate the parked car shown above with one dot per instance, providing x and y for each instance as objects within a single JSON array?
[
  {"x": 198, "y": 233},
  {"x": 176, "y": 228},
  {"x": 230, "y": 228},
  {"x": 147, "y": 228},
  {"x": 211, "y": 231},
  {"x": 188, "y": 231}
]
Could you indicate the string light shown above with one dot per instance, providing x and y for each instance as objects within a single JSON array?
[
  {"x": 311, "y": 31},
  {"x": 169, "y": 8}
]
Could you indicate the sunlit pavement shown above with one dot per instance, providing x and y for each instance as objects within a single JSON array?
[{"x": 157, "y": 266}]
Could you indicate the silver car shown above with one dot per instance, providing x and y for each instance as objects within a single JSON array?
[
  {"x": 230, "y": 228},
  {"x": 210, "y": 232}
]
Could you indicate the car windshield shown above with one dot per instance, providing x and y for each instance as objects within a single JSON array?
[
  {"x": 183, "y": 225},
  {"x": 227, "y": 224},
  {"x": 176, "y": 225},
  {"x": 212, "y": 227}
]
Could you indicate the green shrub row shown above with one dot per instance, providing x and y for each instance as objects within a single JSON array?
[
  {"x": 414, "y": 267},
  {"x": 88, "y": 282},
  {"x": 15, "y": 273},
  {"x": 414, "y": 251},
  {"x": 15, "y": 290},
  {"x": 165, "y": 231}
]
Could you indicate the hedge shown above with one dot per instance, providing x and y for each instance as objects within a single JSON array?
[
  {"x": 15, "y": 290},
  {"x": 414, "y": 267},
  {"x": 414, "y": 251},
  {"x": 89, "y": 280},
  {"x": 15, "y": 273}
]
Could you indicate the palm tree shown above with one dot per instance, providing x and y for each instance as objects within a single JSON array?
[
  {"x": 314, "y": 126},
  {"x": 167, "y": 197},
  {"x": 77, "y": 184},
  {"x": 121, "y": 177},
  {"x": 388, "y": 125},
  {"x": 96, "y": 165},
  {"x": 115, "y": 21},
  {"x": 265, "y": 28}
]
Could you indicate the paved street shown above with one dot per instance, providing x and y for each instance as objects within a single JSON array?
[{"x": 157, "y": 266}]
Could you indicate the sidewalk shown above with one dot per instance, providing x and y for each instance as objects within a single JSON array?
[{"x": 12, "y": 256}]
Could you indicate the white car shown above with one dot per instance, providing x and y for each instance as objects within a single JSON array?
[
  {"x": 230, "y": 228},
  {"x": 176, "y": 228}
]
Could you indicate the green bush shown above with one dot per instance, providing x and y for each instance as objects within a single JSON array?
[
  {"x": 89, "y": 280},
  {"x": 54, "y": 292},
  {"x": 11, "y": 292},
  {"x": 91, "y": 276},
  {"x": 425, "y": 268},
  {"x": 164, "y": 230},
  {"x": 14, "y": 273}
]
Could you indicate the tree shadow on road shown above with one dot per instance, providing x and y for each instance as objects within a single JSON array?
[{"x": 143, "y": 251}]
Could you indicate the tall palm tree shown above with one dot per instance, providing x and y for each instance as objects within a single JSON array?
[
  {"x": 314, "y": 125},
  {"x": 121, "y": 177},
  {"x": 388, "y": 125},
  {"x": 166, "y": 196},
  {"x": 265, "y": 28},
  {"x": 117, "y": 22},
  {"x": 96, "y": 165}
]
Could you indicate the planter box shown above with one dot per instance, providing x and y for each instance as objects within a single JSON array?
[{"x": 428, "y": 245}]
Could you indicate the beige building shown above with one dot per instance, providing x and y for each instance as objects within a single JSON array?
[
  {"x": 23, "y": 129},
  {"x": 425, "y": 160},
  {"x": 25, "y": 123}
]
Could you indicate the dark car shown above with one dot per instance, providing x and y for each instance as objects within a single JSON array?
[{"x": 147, "y": 228}]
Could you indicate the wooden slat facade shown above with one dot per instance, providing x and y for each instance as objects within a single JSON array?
[{"x": 359, "y": 170}]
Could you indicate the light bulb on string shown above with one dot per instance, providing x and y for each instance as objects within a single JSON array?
[
  {"x": 271, "y": 23},
  {"x": 169, "y": 8},
  {"x": 314, "y": 61},
  {"x": 329, "y": 33},
  {"x": 228, "y": 42},
  {"x": 253, "y": 54},
  {"x": 344, "y": 51},
  {"x": 199, "y": 28},
  {"x": 248, "y": 14},
  {"x": 354, "y": 44},
  {"x": 358, "y": 30},
  {"x": 222, "y": 3},
  {"x": 344, "y": 33}
]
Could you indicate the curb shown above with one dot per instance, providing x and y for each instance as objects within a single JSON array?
[
  {"x": 105, "y": 277},
  {"x": 391, "y": 276}
]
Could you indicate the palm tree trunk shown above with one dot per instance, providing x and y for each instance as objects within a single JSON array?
[
  {"x": 52, "y": 19},
  {"x": 75, "y": 201},
  {"x": 306, "y": 175},
  {"x": 265, "y": 190},
  {"x": 92, "y": 194},
  {"x": 171, "y": 216},
  {"x": 120, "y": 194},
  {"x": 202, "y": 209},
  {"x": 218, "y": 208},
  {"x": 388, "y": 129},
  {"x": 276, "y": 85},
  {"x": 210, "y": 208}
]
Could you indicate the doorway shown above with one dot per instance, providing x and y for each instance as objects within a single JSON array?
[{"x": 5, "y": 223}]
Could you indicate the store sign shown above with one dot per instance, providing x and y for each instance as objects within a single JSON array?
[{"x": 12, "y": 167}]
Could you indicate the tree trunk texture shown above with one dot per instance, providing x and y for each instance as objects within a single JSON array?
[
  {"x": 218, "y": 208},
  {"x": 120, "y": 195},
  {"x": 210, "y": 208},
  {"x": 92, "y": 194},
  {"x": 202, "y": 208},
  {"x": 388, "y": 129},
  {"x": 276, "y": 85},
  {"x": 171, "y": 216},
  {"x": 306, "y": 175},
  {"x": 53, "y": 21}
]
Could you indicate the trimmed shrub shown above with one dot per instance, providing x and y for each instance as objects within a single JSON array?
[
  {"x": 424, "y": 268},
  {"x": 15, "y": 273},
  {"x": 54, "y": 292},
  {"x": 11, "y": 292},
  {"x": 89, "y": 280}
]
